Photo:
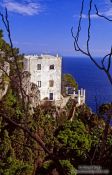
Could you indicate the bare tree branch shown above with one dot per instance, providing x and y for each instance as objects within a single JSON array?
[
  {"x": 7, "y": 26},
  {"x": 77, "y": 47},
  {"x": 26, "y": 145},
  {"x": 89, "y": 28},
  {"x": 77, "y": 36},
  {"x": 104, "y": 65},
  {"x": 109, "y": 60},
  {"x": 39, "y": 141},
  {"x": 80, "y": 20},
  {"x": 34, "y": 136},
  {"x": 102, "y": 16}
]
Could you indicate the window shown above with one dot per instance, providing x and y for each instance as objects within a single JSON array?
[
  {"x": 51, "y": 83},
  {"x": 51, "y": 96},
  {"x": 39, "y": 83},
  {"x": 38, "y": 66},
  {"x": 51, "y": 66}
]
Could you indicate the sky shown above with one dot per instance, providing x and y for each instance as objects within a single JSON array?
[{"x": 44, "y": 26}]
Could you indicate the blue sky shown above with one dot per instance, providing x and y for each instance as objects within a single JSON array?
[{"x": 43, "y": 26}]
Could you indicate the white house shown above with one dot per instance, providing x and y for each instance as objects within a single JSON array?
[{"x": 45, "y": 72}]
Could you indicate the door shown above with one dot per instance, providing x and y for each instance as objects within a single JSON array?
[{"x": 51, "y": 96}]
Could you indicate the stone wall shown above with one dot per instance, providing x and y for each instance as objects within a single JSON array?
[{"x": 45, "y": 74}]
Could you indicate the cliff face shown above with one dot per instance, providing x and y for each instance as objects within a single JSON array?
[
  {"x": 31, "y": 90},
  {"x": 4, "y": 80}
]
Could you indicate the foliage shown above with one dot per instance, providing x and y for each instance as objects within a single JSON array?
[
  {"x": 9, "y": 165},
  {"x": 68, "y": 81},
  {"x": 73, "y": 143},
  {"x": 45, "y": 124},
  {"x": 74, "y": 136},
  {"x": 68, "y": 167},
  {"x": 12, "y": 105},
  {"x": 49, "y": 167}
]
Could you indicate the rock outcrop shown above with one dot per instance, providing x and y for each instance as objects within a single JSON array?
[
  {"x": 4, "y": 80},
  {"x": 31, "y": 90}
]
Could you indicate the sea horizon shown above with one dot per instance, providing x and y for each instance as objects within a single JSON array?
[{"x": 89, "y": 77}]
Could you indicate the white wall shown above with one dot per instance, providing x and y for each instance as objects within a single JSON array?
[{"x": 45, "y": 74}]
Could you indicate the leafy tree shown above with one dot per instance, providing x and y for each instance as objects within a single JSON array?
[
  {"x": 68, "y": 81},
  {"x": 35, "y": 143},
  {"x": 9, "y": 165},
  {"x": 70, "y": 170},
  {"x": 73, "y": 142}
]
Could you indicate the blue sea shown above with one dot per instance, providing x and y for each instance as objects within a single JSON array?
[{"x": 89, "y": 77}]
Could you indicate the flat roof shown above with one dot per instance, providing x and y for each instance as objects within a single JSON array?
[{"x": 41, "y": 56}]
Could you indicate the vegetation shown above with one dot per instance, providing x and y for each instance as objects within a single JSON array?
[
  {"x": 41, "y": 143},
  {"x": 68, "y": 81}
]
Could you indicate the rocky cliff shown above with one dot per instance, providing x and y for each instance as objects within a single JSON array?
[
  {"x": 31, "y": 91},
  {"x": 4, "y": 79}
]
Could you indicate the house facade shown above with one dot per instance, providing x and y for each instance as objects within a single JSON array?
[{"x": 45, "y": 72}]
